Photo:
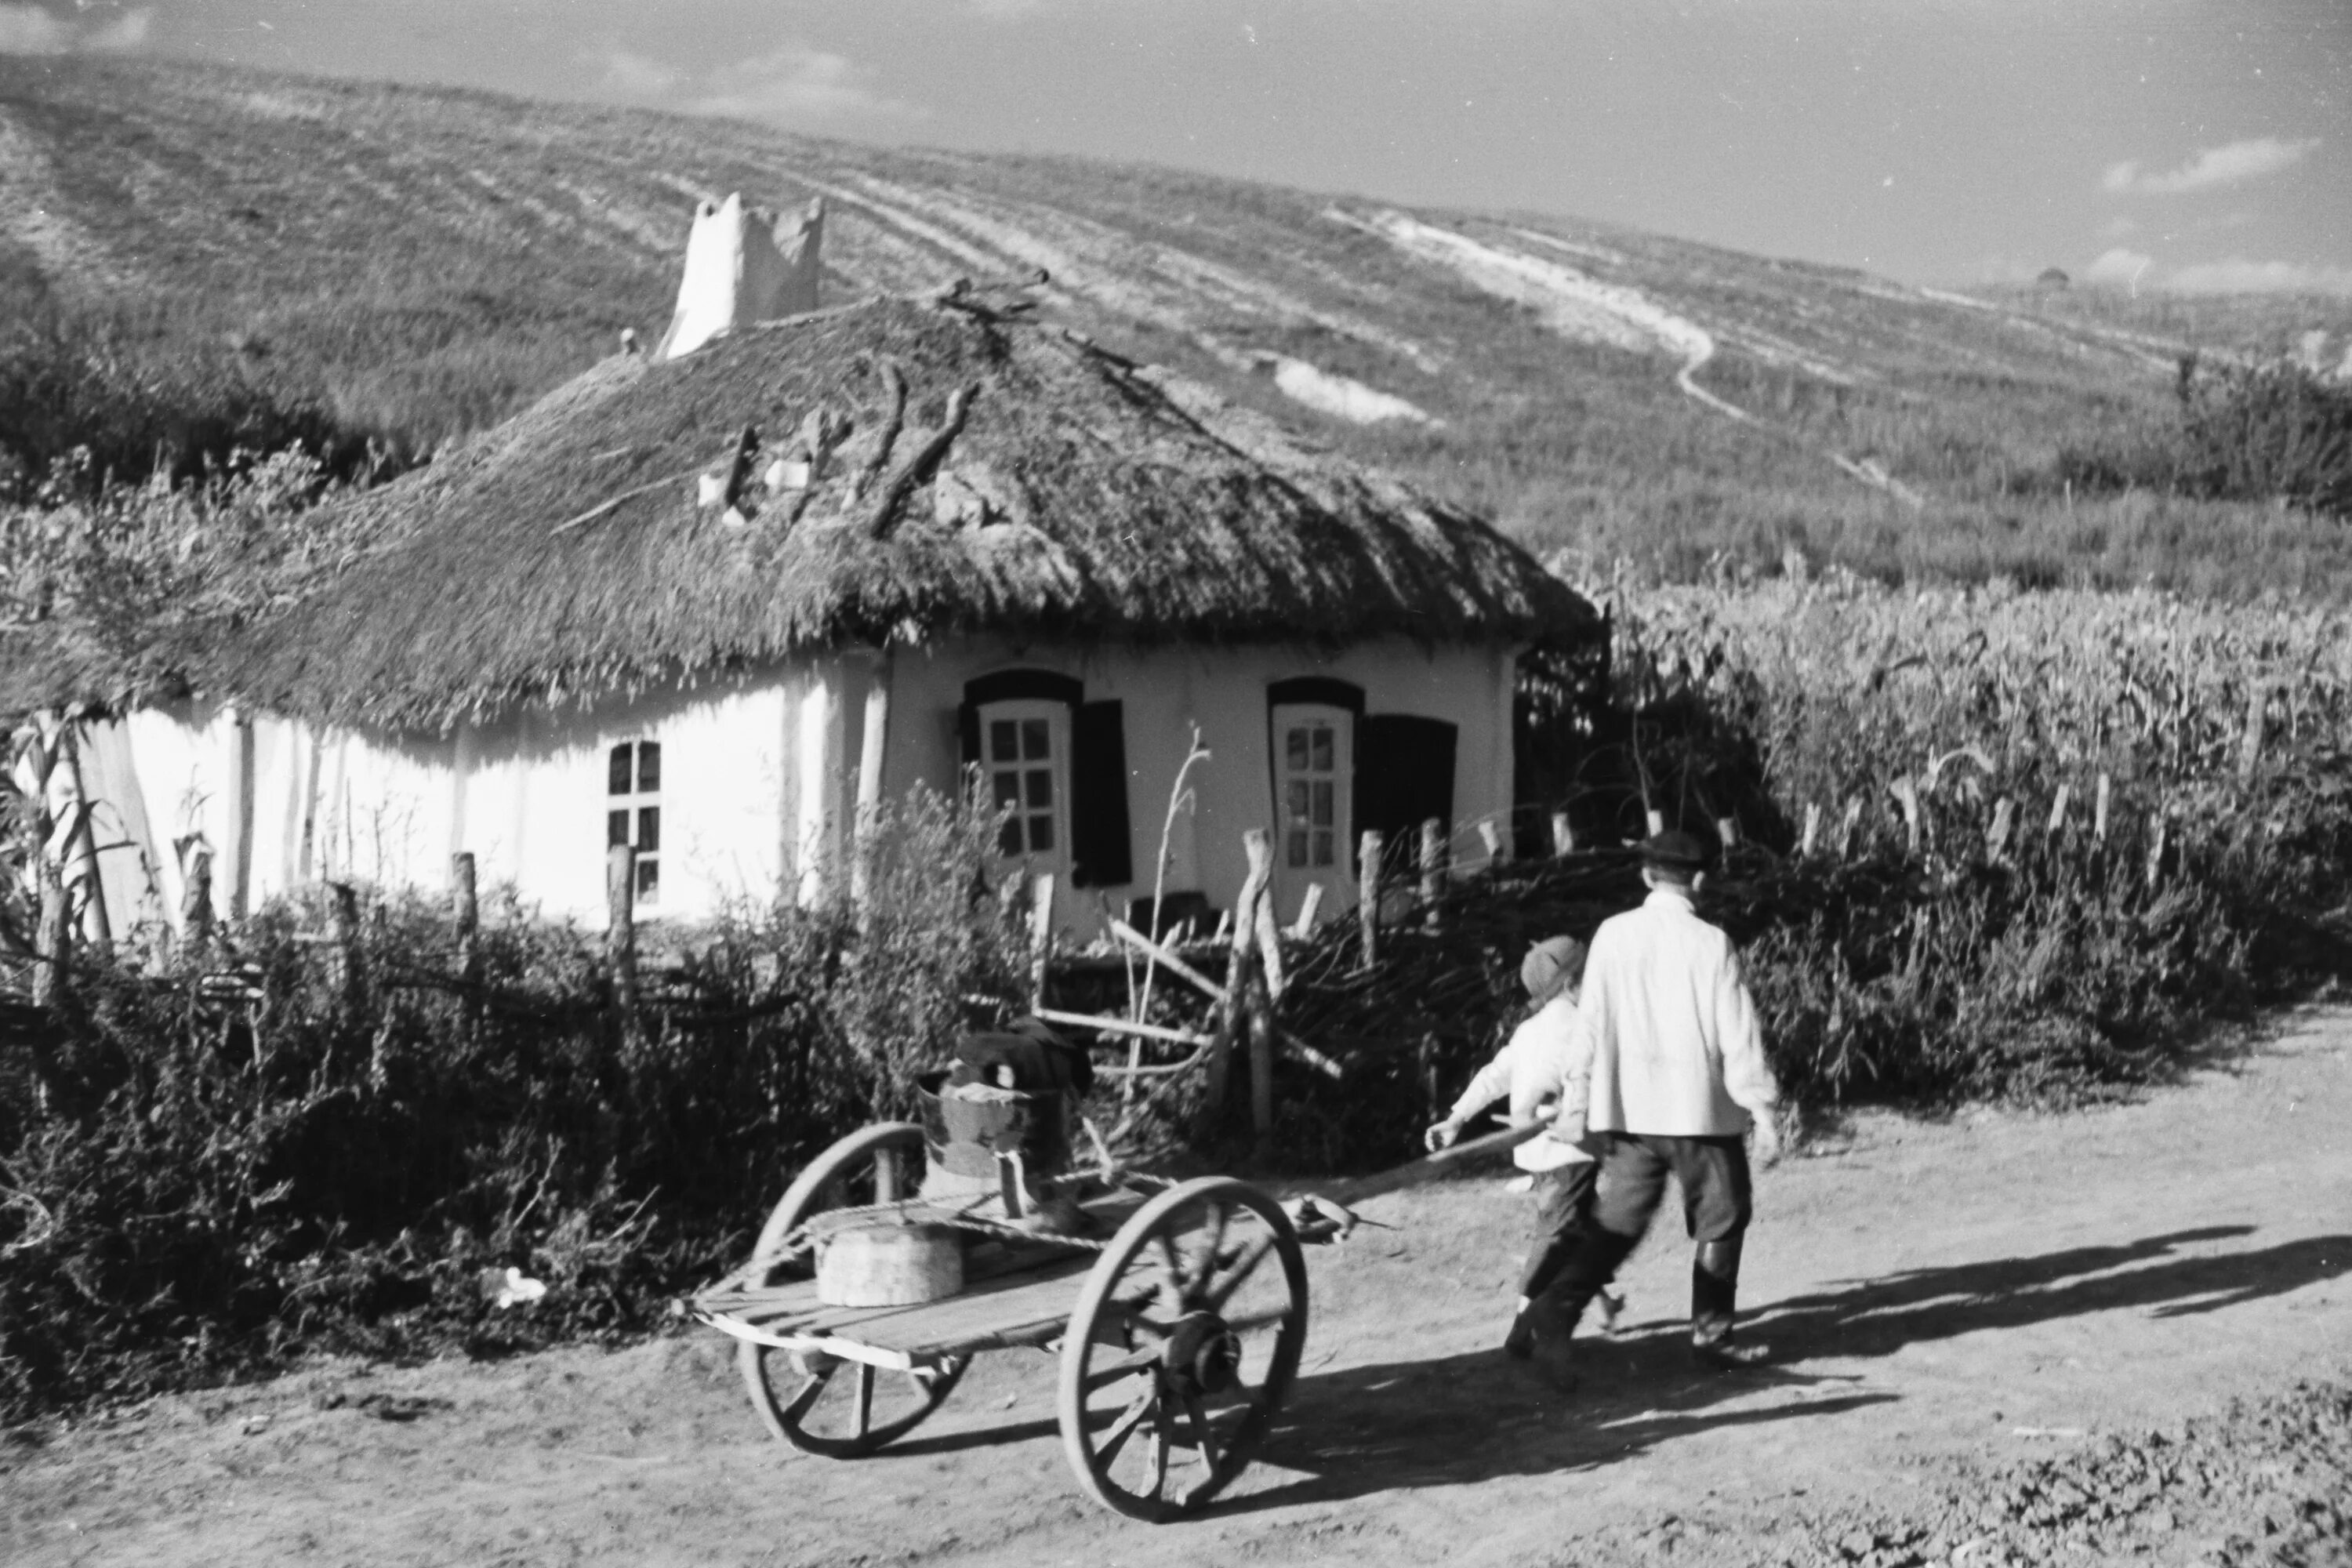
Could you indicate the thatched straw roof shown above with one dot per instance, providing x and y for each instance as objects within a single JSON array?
[{"x": 567, "y": 552}]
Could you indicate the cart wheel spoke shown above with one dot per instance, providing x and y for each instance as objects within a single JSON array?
[
  {"x": 1156, "y": 1447},
  {"x": 1116, "y": 1434},
  {"x": 1243, "y": 1267},
  {"x": 818, "y": 1376},
  {"x": 1197, "y": 1278},
  {"x": 1103, "y": 1378},
  {"x": 865, "y": 1399},
  {"x": 1204, "y": 1436},
  {"x": 1172, "y": 1277}
]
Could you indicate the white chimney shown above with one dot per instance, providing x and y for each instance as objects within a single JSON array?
[{"x": 743, "y": 265}]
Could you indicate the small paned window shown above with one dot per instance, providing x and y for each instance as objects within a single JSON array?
[
  {"x": 1024, "y": 752},
  {"x": 1310, "y": 806},
  {"x": 632, "y": 810}
]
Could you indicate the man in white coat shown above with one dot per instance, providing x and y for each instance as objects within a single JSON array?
[{"x": 1678, "y": 1076}]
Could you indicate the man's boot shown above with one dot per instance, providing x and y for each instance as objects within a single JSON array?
[{"x": 1714, "y": 1289}]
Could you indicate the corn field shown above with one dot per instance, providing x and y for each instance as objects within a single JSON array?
[{"x": 2002, "y": 843}]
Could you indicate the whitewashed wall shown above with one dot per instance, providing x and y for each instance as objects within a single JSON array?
[
  {"x": 1166, "y": 691},
  {"x": 759, "y": 775},
  {"x": 281, "y": 802}
]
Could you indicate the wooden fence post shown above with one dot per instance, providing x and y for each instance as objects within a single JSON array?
[
  {"x": 2156, "y": 837},
  {"x": 1041, "y": 938},
  {"x": 1563, "y": 836},
  {"x": 1432, "y": 869},
  {"x": 2058, "y": 810},
  {"x": 343, "y": 915},
  {"x": 466, "y": 914},
  {"x": 621, "y": 934},
  {"x": 1726, "y": 828},
  {"x": 1368, "y": 897},
  {"x": 196, "y": 906},
  {"x": 1308, "y": 907},
  {"x": 2250, "y": 746},
  {"x": 1656, "y": 821},
  {"x": 1812, "y": 829},
  {"x": 53, "y": 937},
  {"x": 1846, "y": 822},
  {"x": 2099, "y": 812},
  {"x": 1243, "y": 956},
  {"x": 1499, "y": 847},
  {"x": 1269, "y": 934},
  {"x": 866, "y": 825},
  {"x": 467, "y": 911}
]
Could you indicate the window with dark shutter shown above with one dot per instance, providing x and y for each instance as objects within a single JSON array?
[{"x": 1054, "y": 766}]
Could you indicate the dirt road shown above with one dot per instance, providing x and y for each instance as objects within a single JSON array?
[{"x": 1942, "y": 1298}]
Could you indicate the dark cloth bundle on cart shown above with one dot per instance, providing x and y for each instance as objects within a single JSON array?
[{"x": 1029, "y": 1057}]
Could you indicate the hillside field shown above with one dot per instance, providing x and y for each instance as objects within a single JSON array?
[{"x": 191, "y": 256}]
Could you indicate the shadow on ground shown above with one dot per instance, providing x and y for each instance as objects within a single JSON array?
[
  {"x": 1468, "y": 1417},
  {"x": 1472, "y": 1417}
]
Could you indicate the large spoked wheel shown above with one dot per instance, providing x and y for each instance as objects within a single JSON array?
[
  {"x": 827, "y": 1405},
  {"x": 1182, "y": 1347}
]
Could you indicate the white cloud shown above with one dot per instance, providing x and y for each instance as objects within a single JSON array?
[
  {"x": 2212, "y": 167},
  {"x": 2119, "y": 265},
  {"x": 632, "y": 75},
  {"x": 2117, "y": 228},
  {"x": 127, "y": 31},
  {"x": 2238, "y": 275},
  {"x": 799, "y": 84},
  {"x": 29, "y": 31}
]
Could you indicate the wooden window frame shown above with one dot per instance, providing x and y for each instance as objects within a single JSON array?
[
  {"x": 1056, "y": 717},
  {"x": 637, "y": 808}
]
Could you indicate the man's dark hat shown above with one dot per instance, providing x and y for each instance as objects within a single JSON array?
[{"x": 1673, "y": 850}]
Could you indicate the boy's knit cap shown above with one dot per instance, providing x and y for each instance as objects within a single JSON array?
[{"x": 1551, "y": 966}]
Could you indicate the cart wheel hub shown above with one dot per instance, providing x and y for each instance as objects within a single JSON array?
[{"x": 1202, "y": 1355}]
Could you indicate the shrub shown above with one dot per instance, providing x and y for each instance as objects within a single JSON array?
[{"x": 239, "y": 1159}]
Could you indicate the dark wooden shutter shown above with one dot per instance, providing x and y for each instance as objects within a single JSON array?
[
  {"x": 1404, "y": 776},
  {"x": 1100, "y": 856}
]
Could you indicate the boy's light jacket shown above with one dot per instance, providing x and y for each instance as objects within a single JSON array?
[
  {"x": 1545, "y": 1059},
  {"x": 1676, "y": 1050}
]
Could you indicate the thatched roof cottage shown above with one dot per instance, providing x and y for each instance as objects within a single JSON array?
[{"x": 707, "y": 605}]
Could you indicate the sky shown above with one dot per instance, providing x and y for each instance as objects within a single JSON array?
[{"x": 2183, "y": 144}]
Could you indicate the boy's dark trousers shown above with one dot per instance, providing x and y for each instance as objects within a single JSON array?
[
  {"x": 1563, "y": 1215},
  {"x": 1713, "y": 1176}
]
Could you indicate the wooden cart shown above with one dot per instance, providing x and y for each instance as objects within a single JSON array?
[{"x": 1178, "y": 1313}]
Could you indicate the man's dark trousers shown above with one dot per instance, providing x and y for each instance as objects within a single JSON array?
[{"x": 1713, "y": 1176}]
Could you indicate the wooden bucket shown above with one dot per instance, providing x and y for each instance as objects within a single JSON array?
[{"x": 889, "y": 1265}]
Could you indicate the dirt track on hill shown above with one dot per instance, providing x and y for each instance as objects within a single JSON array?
[{"x": 1945, "y": 1302}]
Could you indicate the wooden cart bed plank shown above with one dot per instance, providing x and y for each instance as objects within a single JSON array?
[{"x": 1018, "y": 1308}]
